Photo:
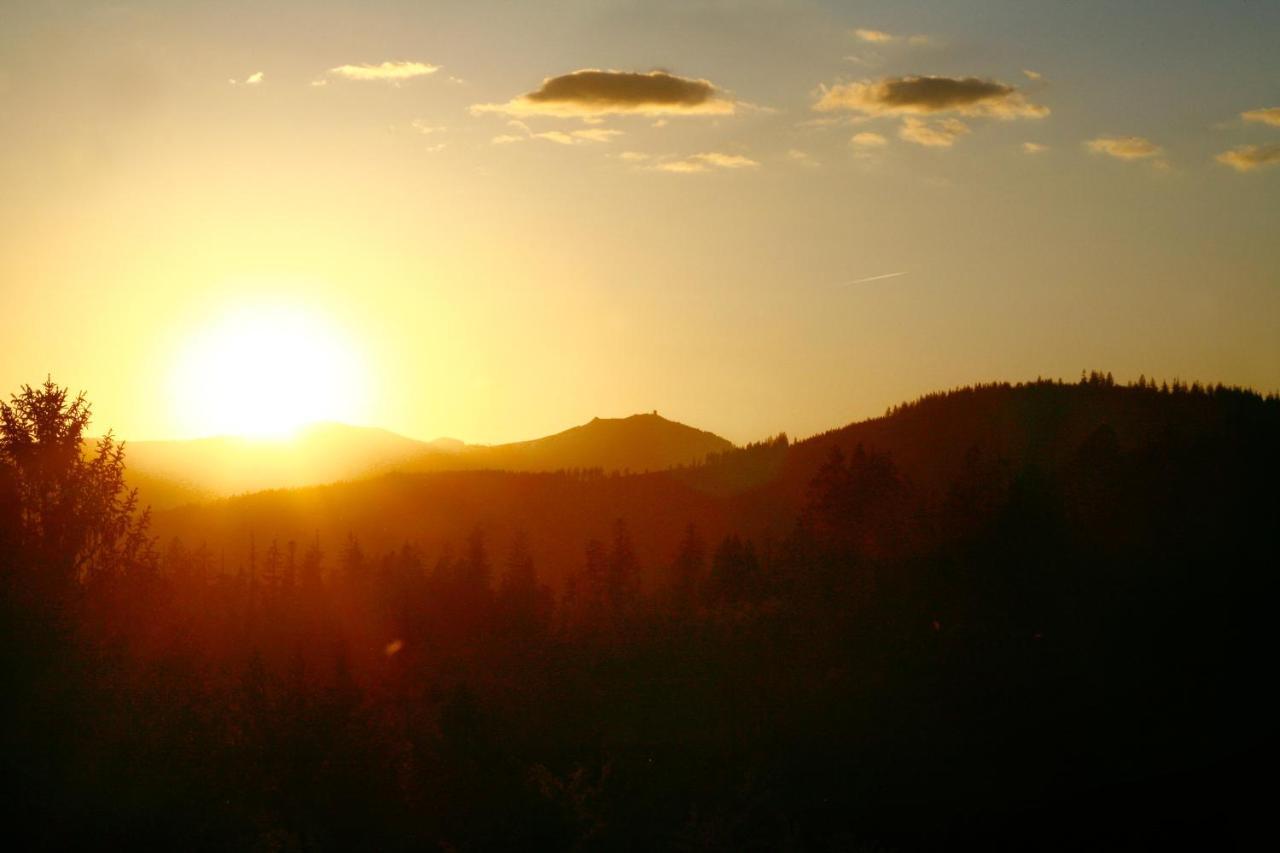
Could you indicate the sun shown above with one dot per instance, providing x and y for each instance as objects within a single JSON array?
[{"x": 263, "y": 371}]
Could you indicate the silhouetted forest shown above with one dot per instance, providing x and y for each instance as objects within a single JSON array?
[{"x": 1016, "y": 616}]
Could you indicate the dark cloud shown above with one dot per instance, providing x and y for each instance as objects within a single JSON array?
[
  {"x": 592, "y": 92},
  {"x": 970, "y": 96}
]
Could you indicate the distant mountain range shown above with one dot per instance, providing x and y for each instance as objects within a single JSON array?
[
  {"x": 434, "y": 498},
  {"x": 171, "y": 473}
]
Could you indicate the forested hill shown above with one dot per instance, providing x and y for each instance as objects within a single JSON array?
[
  {"x": 170, "y": 473},
  {"x": 647, "y": 442},
  {"x": 935, "y": 444},
  {"x": 1006, "y": 617},
  {"x": 1042, "y": 423}
]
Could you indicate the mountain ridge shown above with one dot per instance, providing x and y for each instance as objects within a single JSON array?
[
  {"x": 170, "y": 473},
  {"x": 996, "y": 431}
]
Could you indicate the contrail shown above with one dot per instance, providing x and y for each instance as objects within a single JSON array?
[{"x": 873, "y": 278}]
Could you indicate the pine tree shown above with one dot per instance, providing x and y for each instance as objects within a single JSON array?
[{"x": 67, "y": 516}]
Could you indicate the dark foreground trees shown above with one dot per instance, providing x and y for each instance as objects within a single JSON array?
[
  {"x": 66, "y": 516},
  {"x": 1058, "y": 653},
  {"x": 73, "y": 548}
]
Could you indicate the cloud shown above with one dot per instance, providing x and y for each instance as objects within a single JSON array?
[
  {"x": 557, "y": 136},
  {"x": 592, "y": 92},
  {"x": 1124, "y": 147},
  {"x": 1270, "y": 115},
  {"x": 795, "y": 155},
  {"x": 881, "y": 37},
  {"x": 867, "y": 139},
  {"x": 596, "y": 134},
  {"x": 1246, "y": 158},
  {"x": 634, "y": 156},
  {"x": 682, "y": 166},
  {"x": 574, "y": 137},
  {"x": 560, "y": 137},
  {"x": 939, "y": 134},
  {"x": 391, "y": 72},
  {"x": 1032, "y": 75},
  {"x": 873, "y": 36},
  {"x": 968, "y": 96},
  {"x": 1034, "y": 148},
  {"x": 707, "y": 161},
  {"x": 425, "y": 128},
  {"x": 726, "y": 161},
  {"x": 253, "y": 79}
]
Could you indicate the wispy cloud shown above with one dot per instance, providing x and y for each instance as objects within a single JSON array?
[
  {"x": 557, "y": 136},
  {"x": 1268, "y": 115},
  {"x": 706, "y": 162},
  {"x": 390, "y": 72},
  {"x": 1246, "y": 158},
  {"x": 593, "y": 92},
  {"x": 425, "y": 128},
  {"x": 595, "y": 134},
  {"x": 560, "y": 137},
  {"x": 1034, "y": 148},
  {"x": 253, "y": 79},
  {"x": 804, "y": 158},
  {"x": 871, "y": 36},
  {"x": 868, "y": 139},
  {"x": 938, "y": 134},
  {"x": 1124, "y": 147}
]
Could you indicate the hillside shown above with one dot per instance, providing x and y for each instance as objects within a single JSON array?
[
  {"x": 756, "y": 491},
  {"x": 165, "y": 471},
  {"x": 1002, "y": 617},
  {"x": 637, "y": 443},
  {"x": 170, "y": 473}
]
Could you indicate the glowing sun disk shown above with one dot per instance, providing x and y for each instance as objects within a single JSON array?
[{"x": 265, "y": 372}]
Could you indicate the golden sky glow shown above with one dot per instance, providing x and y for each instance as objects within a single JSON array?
[
  {"x": 265, "y": 370},
  {"x": 498, "y": 220}
]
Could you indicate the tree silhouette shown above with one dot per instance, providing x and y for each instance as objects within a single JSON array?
[
  {"x": 621, "y": 571},
  {"x": 71, "y": 517},
  {"x": 687, "y": 570}
]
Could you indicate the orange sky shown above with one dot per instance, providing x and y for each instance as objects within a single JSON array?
[{"x": 812, "y": 212}]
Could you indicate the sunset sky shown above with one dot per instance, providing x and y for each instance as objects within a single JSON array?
[{"x": 752, "y": 217}]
